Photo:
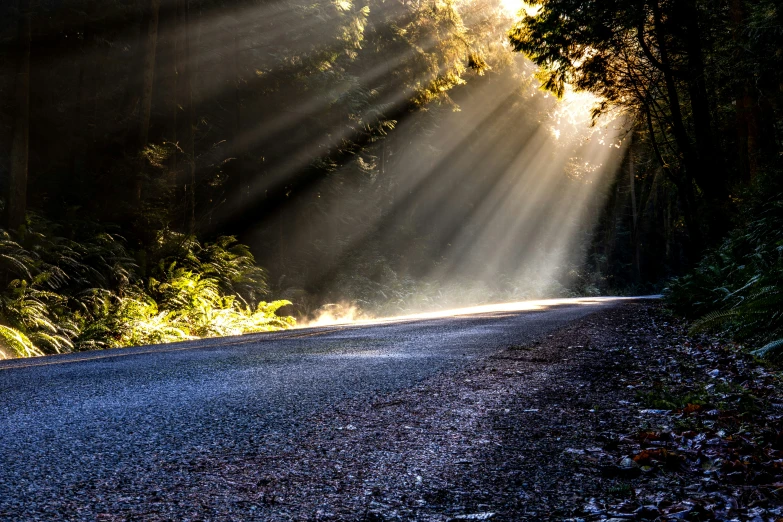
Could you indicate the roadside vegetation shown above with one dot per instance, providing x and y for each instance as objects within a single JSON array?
[
  {"x": 79, "y": 288},
  {"x": 737, "y": 288},
  {"x": 699, "y": 209}
]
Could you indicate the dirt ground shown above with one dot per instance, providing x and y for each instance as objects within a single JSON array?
[{"x": 622, "y": 416}]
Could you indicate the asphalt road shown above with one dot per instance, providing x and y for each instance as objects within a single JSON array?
[{"x": 69, "y": 423}]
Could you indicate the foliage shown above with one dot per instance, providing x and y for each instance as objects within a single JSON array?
[
  {"x": 227, "y": 262},
  {"x": 314, "y": 131},
  {"x": 700, "y": 80},
  {"x": 61, "y": 295},
  {"x": 738, "y": 287},
  {"x": 296, "y": 125}
]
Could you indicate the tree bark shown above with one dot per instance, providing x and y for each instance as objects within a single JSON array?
[
  {"x": 741, "y": 96},
  {"x": 678, "y": 125},
  {"x": 167, "y": 79},
  {"x": 150, "y": 22},
  {"x": 714, "y": 186},
  {"x": 186, "y": 120},
  {"x": 634, "y": 216},
  {"x": 16, "y": 206},
  {"x": 238, "y": 146},
  {"x": 685, "y": 194}
]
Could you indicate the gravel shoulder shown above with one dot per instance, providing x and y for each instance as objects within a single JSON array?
[{"x": 619, "y": 416}]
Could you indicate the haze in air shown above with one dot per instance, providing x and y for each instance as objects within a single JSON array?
[{"x": 175, "y": 169}]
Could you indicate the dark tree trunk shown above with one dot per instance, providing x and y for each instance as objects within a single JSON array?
[
  {"x": 669, "y": 228},
  {"x": 712, "y": 178},
  {"x": 238, "y": 146},
  {"x": 149, "y": 50},
  {"x": 741, "y": 96},
  {"x": 678, "y": 125},
  {"x": 693, "y": 247},
  {"x": 16, "y": 205},
  {"x": 634, "y": 217},
  {"x": 685, "y": 194},
  {"x": 185, "y": 120},
  {"x": 768, "y": 151},
  {"x": 710, "y": 174},
  {"x": 755, "y": 115},
  {"x": 167, "y": 98}
]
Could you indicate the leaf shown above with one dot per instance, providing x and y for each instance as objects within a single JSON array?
[
  {"x": 18, "y": 342},
  {"x": 769, "y": 349}
]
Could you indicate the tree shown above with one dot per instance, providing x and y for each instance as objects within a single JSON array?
[
  {"x": 186, "y": 120},
  {"x": 16, "y": 205},
  {"x": 149, "y": 48},
  {"x": 655, "y": 59}
]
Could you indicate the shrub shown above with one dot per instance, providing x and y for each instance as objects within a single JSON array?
[
  {"x": 58, "y": 294},
  {"x": 738, "y": 287}
]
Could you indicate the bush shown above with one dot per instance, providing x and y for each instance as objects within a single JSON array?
[
  {"x": 59, "y": 295},
  {"x": 738, "y": 287}
]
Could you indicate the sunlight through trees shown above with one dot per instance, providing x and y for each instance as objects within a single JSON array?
[{"x": 387, "y": 155}]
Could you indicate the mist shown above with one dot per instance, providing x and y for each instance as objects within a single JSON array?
[
  {"x": 378, "y": 158},
  {"x": 491, "y": 198}
]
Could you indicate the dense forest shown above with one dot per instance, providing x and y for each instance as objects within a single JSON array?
[
  {"x": 390, "y": 155},
  {"x": 704, "y": 83}
]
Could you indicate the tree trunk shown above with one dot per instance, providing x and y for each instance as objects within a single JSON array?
[
  {"x": 634, "y": 217},
  {"x": 754, "y": 115},
  {"x": 239, "y": 147},
  {"x": 185, "y": 120},
  {"x": 741, "y": 96},
  {"x": 678, "y": 126},
  {"x": 150, "y": 22},
  {"x": 167, "y": 74},
  {"x": 714, "y": 186},
  {"x": 16, "y": 206},
  {"x": 685, "y": 194},
  {"x": 668, "y": 225},
  {"x": 693, "y": 247},
  {"x": 710, "y": 175}
]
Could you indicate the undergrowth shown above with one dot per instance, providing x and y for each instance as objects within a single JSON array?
[
  {"x": 80, "y": 288},
  {"x": 375, "y": 284},
  {"x": 738, "y": 287}
]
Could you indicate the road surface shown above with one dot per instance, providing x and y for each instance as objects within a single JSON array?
[{"x": 70, "y": 423}]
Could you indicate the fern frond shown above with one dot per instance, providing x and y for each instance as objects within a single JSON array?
[
  {"x": 769, "y": 349},
  {"x": 21, "y": 345},
  {"x": 713, "y": 319}
]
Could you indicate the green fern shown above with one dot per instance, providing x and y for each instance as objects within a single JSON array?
[
  {"x": 58, "y": 295},
  {"x": 769, "y": 349},
  {"x": 18, "y": 343},
  {"x": 739, "y": 287}
]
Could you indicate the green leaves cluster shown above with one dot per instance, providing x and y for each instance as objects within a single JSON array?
[
  {"x": 738, "y": 287},
  {"x": 701, "y": 79},
  {"x": 60, "y": 295}
]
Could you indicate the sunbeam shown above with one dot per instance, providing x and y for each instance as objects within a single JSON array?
[
  {"x": 501, "y": 208},
  {"x": 376, "y": 155}
]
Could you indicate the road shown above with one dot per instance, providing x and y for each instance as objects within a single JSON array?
[{"x": 70, "y": 422}]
